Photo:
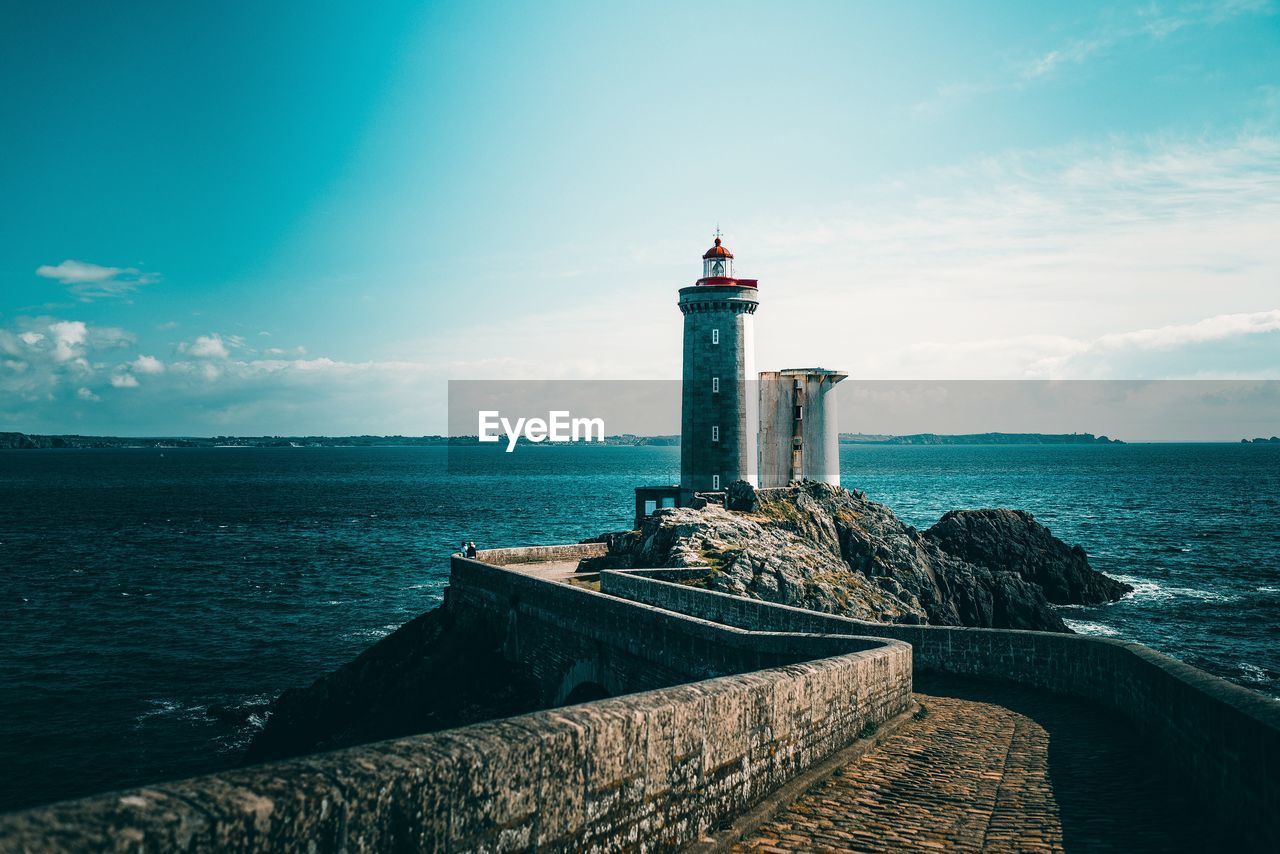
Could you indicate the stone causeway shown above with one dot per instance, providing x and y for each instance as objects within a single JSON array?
[{"x": 736, "y": 724}]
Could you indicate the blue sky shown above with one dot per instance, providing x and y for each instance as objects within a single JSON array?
[{"x": 306, "y": 217}]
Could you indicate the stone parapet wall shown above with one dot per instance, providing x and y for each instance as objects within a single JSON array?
[
  {"x": 566, "y": 634},
  {"x": 536, "y": 554},
  {"x": 644, "y": 772},
  {"x": 648, "y": 771},
  {"x": 1224, "y": 740}
]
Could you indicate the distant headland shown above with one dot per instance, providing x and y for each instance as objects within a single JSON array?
[
  {"x": 9, "y": 441},
  {"x": 978, "y": 439},
  {"x": 38, "y": 441}
]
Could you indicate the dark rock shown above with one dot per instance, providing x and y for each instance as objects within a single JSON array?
[
  {"x": 438, "y": 671},
  {"x": 821, "y": 547},
  {"x": 1013, "y": 541},
  {"x": 741, "y": 496}
]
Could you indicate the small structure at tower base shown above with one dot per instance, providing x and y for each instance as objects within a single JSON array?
[{"x": 651, "y": 499}]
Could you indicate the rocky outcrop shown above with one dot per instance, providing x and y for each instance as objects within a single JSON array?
[
  {"x": 741, "y": 496},
  {"x": 828, "y": 549},
  {"x": 438, "y": 671},
  {"x": 1014, "y": 540},
  {"x": 27, "y": 442}
]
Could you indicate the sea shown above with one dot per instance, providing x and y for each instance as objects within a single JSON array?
[{"x": 155, "y": 600}]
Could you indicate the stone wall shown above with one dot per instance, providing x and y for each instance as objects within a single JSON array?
[
  {"x": 1224, "y": 740},
  {"x": 567, "y": 635},
  {"x": 647, "y": 771},
  {"x": 534, "y": 554}
]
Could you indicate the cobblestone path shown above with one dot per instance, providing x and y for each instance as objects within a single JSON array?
[{"x": 990, "y": 767}]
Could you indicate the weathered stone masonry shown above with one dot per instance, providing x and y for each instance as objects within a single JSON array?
[
  {"x": 1221, "y": 739},
  {"x": 646, "y": 771},
  {"x": 653, "y": 770}
]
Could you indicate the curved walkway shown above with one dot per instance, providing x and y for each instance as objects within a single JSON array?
[{"x": 990, "y": 767}]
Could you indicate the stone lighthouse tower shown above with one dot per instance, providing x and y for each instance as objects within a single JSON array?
[{"x": 720, "y": 403}]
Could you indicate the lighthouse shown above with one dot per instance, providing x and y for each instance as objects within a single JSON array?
[
  {"x": 771, "y": 429},
  {"x": 719, "y": 416}
]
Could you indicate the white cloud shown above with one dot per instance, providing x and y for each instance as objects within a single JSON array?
[
  {"x": 91, "y": 281},
  {"x": 1231, "y": 346},
  {"x": 124, "y": 381},
  {"x": 51, "y": 360},
  {"x": 68, "y": 339},
  {"x": 147, "y": 365},
  {"x": 1225, "y": 346},
  {"x": 207, "y": 347},
  {"x": 1209, "y": 329},
  {"x": 85, "y": 394},
  {"x": 78, "y": 272}
]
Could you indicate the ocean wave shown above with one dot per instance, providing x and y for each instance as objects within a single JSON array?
[
  {"x": 1253, "y": 672},
  {"x": 1144, "y": 588},
  {"x": 246, "y": 717},
  {"x": 169, "y": 707},
  {"x": 373, "y": 634},
  {"x": 1086, "y": 628}
]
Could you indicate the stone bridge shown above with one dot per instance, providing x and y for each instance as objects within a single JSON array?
[{"x": 719, "y": 723}]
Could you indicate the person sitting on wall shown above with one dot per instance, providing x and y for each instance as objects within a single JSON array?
[{"x": 470, "y": 550}]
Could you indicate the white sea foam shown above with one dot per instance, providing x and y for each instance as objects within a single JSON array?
[
  {"x": 1253, "y": 671},
  {"x": 1087, "y": 628},
  {"x": 373, "y": 634},
  {"x": 1146, "y": 589},
  {"x": 159, "y": 707},
  {"x": 168, "y": 707}
]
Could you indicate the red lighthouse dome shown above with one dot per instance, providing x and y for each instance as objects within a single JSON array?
[
  {"x": 717, "y": 251},
  {"x": 717, "y": 267}
]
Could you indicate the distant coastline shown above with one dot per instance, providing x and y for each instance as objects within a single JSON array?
[
  {"x": 35, "y": 441},
  {"x": 978, "y": 439},
  {"x": 27, "y": 441}
]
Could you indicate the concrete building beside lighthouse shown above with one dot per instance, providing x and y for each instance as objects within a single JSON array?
[
  {"x": 799, "y": 433},
  {"x": 719, "y": 404}
]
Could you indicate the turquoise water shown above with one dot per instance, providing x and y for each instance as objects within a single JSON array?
[{"x": 154, "y": 601}]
